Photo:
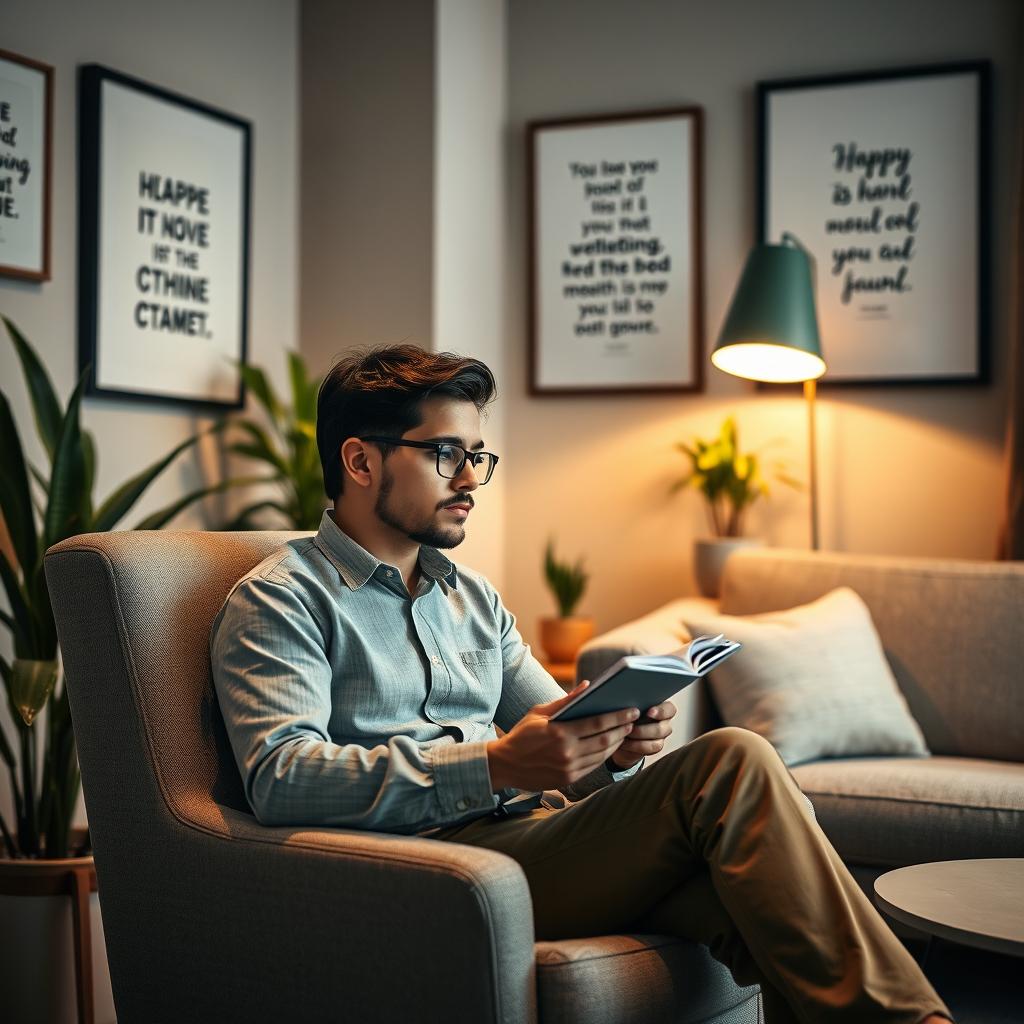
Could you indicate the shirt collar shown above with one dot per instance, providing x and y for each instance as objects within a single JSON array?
[{"x": 356, "y": 565}]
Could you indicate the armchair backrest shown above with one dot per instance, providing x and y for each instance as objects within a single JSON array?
[
  {"x": 133, "y": 612},
  {"x": 953, "y": 631}
]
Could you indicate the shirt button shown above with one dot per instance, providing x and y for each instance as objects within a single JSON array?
[
  {"x": 463, "y": 804},
  {"x": 436, "y": 660},
  {"x": 389, "y": 573}
]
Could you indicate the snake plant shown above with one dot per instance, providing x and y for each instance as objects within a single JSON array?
[
  {"x": 566, "y": 582},
  {"x": 39, "y": 508}
]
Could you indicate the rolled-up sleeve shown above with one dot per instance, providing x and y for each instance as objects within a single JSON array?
[{"x": 274, "y": 686}]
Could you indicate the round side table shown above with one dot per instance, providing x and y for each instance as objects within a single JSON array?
[{"x": 974, "y": 902}]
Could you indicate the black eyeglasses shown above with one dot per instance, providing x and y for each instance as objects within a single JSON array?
[{"x": 450, "y": 457}]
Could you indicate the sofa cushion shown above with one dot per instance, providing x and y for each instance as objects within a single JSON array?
[
  {"x": 951, "y": 630},
  {"x": 637, "y": 979},
  {"x": 891, "y": 812},
  {"x": 813, "y": 680}
]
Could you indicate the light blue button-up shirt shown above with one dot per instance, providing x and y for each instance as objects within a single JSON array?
[{"x": 350, "y": 702}]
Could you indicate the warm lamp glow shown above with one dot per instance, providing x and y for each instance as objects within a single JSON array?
[{"x": 765, "y": 361}]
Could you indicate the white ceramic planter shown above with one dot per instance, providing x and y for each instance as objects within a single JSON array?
[{"x": 710, "y": 556}]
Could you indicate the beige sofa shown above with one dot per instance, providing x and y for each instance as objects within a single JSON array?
[{"x": 953, "y": 632}]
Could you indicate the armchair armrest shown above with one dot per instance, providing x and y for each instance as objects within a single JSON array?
[
  {"x": 337, "y": 925},
  {"x": 659, "y": 632}
]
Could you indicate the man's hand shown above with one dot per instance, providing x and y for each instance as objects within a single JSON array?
[
  {"x": 540, "y": 754},
  {"x": 647, "y": 738}
]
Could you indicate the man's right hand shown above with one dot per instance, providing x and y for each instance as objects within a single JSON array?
[{"x": 540, "y": 754}]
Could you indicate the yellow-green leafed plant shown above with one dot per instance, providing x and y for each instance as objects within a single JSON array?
[
  {"x": 566, "y": 582},
  {"x": 289, "y": 448},
  {"x": 730, "y": 481},
  {"x": 60, "y": 505}
]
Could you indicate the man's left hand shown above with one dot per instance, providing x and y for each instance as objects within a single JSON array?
[{"x": 647, "y": 737}]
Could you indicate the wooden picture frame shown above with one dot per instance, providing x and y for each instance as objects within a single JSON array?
[
  {"x": 26, "y": 166},
  {"x": 164, "y": 212},
  {"x": 615, "y": 253},
  {"x": 884, "y": 177}
]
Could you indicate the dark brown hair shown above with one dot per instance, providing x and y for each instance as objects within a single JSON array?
[{"x": 379, "y": 391}]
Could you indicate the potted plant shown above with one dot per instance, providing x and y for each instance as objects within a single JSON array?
[
  {"x": 39, "y": 843},
  {"x": 289, "y": 448},
  {"x": 731, "y": 482},
  {"x": 564, "y": 635}
]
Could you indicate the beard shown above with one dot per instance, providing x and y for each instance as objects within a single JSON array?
[{"x": 422, "y": 531}]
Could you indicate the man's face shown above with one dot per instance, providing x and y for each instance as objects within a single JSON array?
[{"x": 413, "y": 497}]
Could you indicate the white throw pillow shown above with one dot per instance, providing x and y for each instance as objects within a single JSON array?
[{"x": 813, "y": 680}]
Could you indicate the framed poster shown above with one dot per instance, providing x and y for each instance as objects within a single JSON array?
[
  {"x": 163, "y": 243},
  {"x": 26, "y": 131},
  {"x": 883, "y": 177},
  {"x": 615, "y": 271}
]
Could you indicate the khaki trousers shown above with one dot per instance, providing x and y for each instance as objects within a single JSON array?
[{"x": 714, "y": 842}]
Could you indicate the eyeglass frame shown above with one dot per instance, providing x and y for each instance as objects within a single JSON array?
[{"x": 437, "y": 446}]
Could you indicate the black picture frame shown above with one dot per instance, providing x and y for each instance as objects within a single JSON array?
[
  {"x": 28, "y": 200},
  {"x": 656, "y": 366},
  {"x": 100, "y": 345},
  {"x": 967, "y": 358}
]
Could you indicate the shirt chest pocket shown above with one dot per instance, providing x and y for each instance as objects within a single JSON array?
[{"x": 483, "y": 666}]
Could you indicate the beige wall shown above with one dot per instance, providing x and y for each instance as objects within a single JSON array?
[
  {"x": 470, "y": 261},
  {"x": 914, "y": 471},
  {"x": 241, "y": 55},
  {"x": 367, "y": 93}
]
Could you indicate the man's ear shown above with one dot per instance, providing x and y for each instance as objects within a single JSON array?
[{"x": 359, "y": 461}]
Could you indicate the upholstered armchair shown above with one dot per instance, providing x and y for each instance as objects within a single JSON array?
[{"x": 210, "y": 916}]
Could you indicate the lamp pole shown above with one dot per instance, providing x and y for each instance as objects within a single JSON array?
[{"x": 810, "y": 392}]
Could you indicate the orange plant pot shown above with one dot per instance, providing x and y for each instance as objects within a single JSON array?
[{"x": 563, "y": 638}]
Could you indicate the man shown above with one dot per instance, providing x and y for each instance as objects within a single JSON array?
[{"x": 361, "y": 675}]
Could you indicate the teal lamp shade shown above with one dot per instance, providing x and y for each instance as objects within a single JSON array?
[{"x": 771, "y": 331}]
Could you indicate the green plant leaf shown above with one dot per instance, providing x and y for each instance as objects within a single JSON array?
[
  {"x": 258, "y": 383},
  {"x": 89, "y": 457},
  {"x": 37, "y": 596},
  {"x": 261, "y": 446},
  {"x": 566, "y": 582},
  {"x": 157, "y": 520},
  {"x": 21, "y": 621},
  {"x": 15, "y": 495},
  {"x": 120, "y": 502},
  {"x": 40, "y": 478},
  {"x": 5, "y": 749},
  {"x": 67, "y": 481},
  {"x": 45, "y": 406},
  {"x": 31, "y": 684},
  {"x": 303, "y": 397}
]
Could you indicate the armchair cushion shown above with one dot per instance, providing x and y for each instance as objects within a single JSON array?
[{"x": 637, "y": 979}]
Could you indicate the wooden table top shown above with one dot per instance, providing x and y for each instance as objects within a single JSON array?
[{"x": 975, "y": 902}]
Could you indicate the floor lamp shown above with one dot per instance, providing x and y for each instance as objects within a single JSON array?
[{"x": 771, "y": 333}]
